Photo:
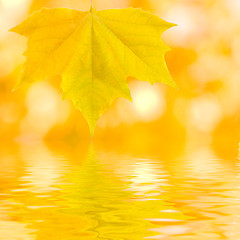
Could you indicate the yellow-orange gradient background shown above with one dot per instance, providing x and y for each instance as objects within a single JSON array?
[
  {"x": 163, "y": 167},
  {"x": 204, "y": 62}
]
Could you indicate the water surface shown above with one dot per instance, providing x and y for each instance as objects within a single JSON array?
[{"x": 59, "y": 191}]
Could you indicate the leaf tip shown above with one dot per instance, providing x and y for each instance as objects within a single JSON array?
[
  {"x": 13, "y": 29},
  {"x": 92, "y": 122},
  {"x": 173, "y": 84},
  {"x": 18, "y": 85},
  {"x": 92, "y": 128},
  {"x": 172, "y": 25},
  {"x": 92, "y": 132}
]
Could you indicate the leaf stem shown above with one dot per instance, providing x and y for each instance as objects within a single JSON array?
[{"x": 91, "y": 6}]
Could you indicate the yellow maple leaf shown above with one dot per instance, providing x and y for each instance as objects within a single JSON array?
[{"x": 95, "y": 51}]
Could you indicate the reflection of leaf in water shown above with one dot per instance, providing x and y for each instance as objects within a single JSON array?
[{"x": 108, "y": 203}]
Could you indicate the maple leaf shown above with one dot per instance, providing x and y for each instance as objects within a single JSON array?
[{"x": 94, "y": 51}]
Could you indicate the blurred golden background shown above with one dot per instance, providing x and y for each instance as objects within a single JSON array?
[
  {"x": 204, "y": 62},
  {"x": 179, "y": 148}
]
